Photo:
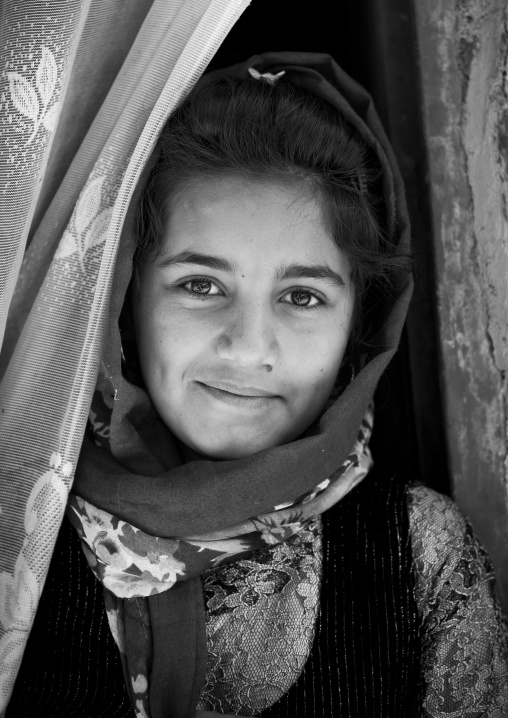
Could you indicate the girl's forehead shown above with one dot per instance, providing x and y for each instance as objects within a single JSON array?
[
  {"x": 244, "y": 196},
  {"x": 249, "y": 218}
]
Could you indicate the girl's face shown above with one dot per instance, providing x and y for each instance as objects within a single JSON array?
[{"x": 243, "y": 319}]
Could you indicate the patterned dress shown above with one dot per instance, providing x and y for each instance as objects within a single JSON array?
[
  {"x": 464, "y": 659},
  {"x": 262, "y": 617}
]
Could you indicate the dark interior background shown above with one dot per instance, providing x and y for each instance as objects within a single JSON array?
[{"x": 374, "y": 41}]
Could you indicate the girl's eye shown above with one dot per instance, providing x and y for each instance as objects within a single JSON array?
[
  {"x": 302, "y": 298},
  {"x": 202, "y": 286}
]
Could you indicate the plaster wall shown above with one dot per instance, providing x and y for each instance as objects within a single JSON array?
[{"x": 463, "y": 51}]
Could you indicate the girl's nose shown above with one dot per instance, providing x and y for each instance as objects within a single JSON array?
[{"x": 249, "y": 338}]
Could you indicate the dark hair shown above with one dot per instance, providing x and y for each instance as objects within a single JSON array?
[{"x": 251, "y": 128}]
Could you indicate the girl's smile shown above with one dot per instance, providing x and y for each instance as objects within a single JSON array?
[
  {"x": 241, "y": 397},
  {"x": 243, "y": 319}
]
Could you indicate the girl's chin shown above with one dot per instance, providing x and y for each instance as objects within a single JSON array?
[
  {"x": 239, "y": 446},
  {"x": 207, "y": 435},
  {"x": 228, "y": 452},
  {"x": 211, "y": 436},
  {"x": 200, "y": 446}
]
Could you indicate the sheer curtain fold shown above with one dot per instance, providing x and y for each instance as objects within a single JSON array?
[
  {"x": 37, "y": 49},
  {"x": 107, "y": 129}
]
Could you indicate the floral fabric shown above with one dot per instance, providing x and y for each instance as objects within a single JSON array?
[
  {"x": 130, "y": 563},
  {"x": 465, "y": 636},
  {"x": 261, "y": 621},
  {"x": 465, "y": 639}
]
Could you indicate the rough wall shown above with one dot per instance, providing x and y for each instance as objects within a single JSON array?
[{"x": 463, "y": 49}]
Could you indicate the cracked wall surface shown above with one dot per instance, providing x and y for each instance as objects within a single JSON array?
[{"x": 463, "y": 50}]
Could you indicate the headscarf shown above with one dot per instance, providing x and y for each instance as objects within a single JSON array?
[{"x": 131, "y": 480}]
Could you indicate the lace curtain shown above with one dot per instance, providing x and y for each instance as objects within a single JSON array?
[{"x": 85, "y": 88}]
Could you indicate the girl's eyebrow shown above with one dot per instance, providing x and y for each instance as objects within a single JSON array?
[
  {"x": 309, "y": 271},
  {"x": 205, "y": 260},
  {"x": 289, "y": 271}
]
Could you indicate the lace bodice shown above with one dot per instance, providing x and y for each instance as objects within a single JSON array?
[
  {"x": 261, "y": 617},
  {"x": 464, "y": 667}
]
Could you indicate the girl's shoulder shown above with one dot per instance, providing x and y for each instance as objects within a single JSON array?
[
  {"x": 453, "y": 574},
  {"x": 444, "y": 544},
  {"x": 464, "y": 634},
  {"x": 435, "y": 521}
]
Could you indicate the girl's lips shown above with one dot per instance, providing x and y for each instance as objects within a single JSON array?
[
  {"x": 256, "y": 400},
  {"x": 240, "y": 389}
]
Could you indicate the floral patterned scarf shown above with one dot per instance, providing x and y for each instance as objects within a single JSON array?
[{"x": 133, "y": 565}]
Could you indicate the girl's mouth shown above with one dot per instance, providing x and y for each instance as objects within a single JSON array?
[{"x": 246, "y": 397}]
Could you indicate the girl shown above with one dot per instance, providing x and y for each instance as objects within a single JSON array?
[{"x": 252, "y": 561}]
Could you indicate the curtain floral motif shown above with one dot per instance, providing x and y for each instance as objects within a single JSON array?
[{"x": 32, "y": 99}]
